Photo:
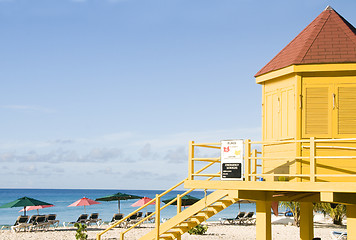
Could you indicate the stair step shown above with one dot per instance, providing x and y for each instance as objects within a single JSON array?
[
  {"x": 187, "y": 224},
  {"x": 223, "y": 202},
  {"x": 192, "y": 216},
  {"x": 215, "y": 209},
  {"x": 180, "y": 229},
  {"x": 205, "y": 214},
  {"x": 172, "y": 233},
  {"x": 165, "y": 237},
  {"x": 197, "y": 219}
]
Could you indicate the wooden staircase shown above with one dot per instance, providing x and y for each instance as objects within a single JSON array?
[{"x": 192, "y": 216}]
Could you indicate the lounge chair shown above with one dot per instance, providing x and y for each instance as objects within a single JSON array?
[
  {"x": 150, "y": 219},
  {"x": 248, "y": 218},
  {"x": 39, "y": 223},
  {"x": 20, "y": 223},
  {"x": 235, "y": 220},
  {"x": 32, "y": 219},
  {"x": 94, "y": 218},
  {"x": 134, "y": 219},
  {"x": 117, "y": 217},
  {"x": 338, "y": 235},
  {"x": 81, "y": 219},
  {"x": 51, "y": 219}
]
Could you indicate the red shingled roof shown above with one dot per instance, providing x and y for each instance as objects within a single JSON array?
[{"x": 328, "y": 39}]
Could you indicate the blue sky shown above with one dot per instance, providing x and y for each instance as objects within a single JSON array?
[{"x": 107, "y": 93}]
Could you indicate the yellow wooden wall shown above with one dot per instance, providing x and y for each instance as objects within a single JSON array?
[
  {"x": 279, "y": 109},
  {"x": 329, "y": 111},
  {"x": 279, "y": 123},
  {"x": 329, "y": 107},
  {"x": 300, "y": 106}
]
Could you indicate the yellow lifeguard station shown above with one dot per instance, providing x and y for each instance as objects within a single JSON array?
[{"x": 308, "y": 148}]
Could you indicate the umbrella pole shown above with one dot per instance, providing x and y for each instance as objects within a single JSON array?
[
  {"x": 38, "y": 212},
  {"x": 85, "y": 210},
  {"x": 118, "y": 204},
  {"x": 24, "y": 210}
]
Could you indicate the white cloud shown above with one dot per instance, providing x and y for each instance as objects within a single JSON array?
[
  {"x": 136, "y": 160},
  {"x": 180, "y": 154},
  {"x": 28, "y": 108},
  {"x": 108, "y": 171},
  {"x": 61, "y": 141},
  {"x": 60, "y": 155},
  {"x": 104, "y": 154}
]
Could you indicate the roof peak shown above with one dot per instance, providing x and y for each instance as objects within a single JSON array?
[
  {"x": 329, "y": 38},
  {"x": 329, "y": 8}
]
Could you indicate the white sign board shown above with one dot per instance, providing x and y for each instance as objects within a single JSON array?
[{"x": 232, "y": 152}]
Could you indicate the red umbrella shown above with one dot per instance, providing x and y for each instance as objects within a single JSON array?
[
  {"x": 84, "y": 202},
  {"x": 29, "y": 208},
  {"x": 142, "y": 202}
]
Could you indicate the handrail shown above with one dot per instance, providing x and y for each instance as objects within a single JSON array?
[
  {"x": 166, "y": 205},
  {"x": 252, "y": 156},
  {"x": 148, "y": 203}
]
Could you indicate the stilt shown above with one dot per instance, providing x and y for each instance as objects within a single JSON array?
[
  {"x": 263, "y": 220},
  {"x": 351, "y": 221},
  {"x": 306, "y": 221}
]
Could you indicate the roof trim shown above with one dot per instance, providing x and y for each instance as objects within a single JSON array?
[{"x": 331, "y": 67}]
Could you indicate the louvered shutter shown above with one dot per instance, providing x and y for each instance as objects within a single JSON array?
[
  {"x": 346, "y": 105},
  {"x": 317, "y": 118}
]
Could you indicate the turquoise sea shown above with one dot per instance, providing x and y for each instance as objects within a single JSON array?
[{"x": 61, "y": 198}]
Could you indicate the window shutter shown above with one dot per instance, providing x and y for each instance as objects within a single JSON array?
[
  {"x": 316, "y": 111},
  {"x": 346, "y": 110}
]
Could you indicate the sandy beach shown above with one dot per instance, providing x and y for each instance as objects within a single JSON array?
[{"x": 281, "y": 230}]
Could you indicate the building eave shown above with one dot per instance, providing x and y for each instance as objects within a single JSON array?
[{"x": 306, "y": 68}]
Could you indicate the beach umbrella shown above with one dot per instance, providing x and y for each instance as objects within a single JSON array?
[
  {"x": 142, "y": 202},
  {"x": 29, "y": 208},
  {"x": 84, "y": 202},
  {"x": 187, "y": 200},
  {"x": 24, "y": 202},
  {"x": 117, "y": 197}
]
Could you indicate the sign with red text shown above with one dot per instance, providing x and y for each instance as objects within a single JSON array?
[{"x": 232, "y": 159}]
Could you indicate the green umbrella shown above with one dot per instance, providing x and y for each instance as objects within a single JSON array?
[
  {"x": 187, "y": 200},
  {"x": 117, "y": 197},
  {"x": 24, "y": 202}
]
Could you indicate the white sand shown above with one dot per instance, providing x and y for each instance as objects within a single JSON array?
[{"x": 280, "y": 230}]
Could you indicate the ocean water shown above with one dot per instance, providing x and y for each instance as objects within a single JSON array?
[{"x": 61, "y": 198}]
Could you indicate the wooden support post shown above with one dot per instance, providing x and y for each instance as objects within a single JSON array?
[
  {"x": 190, "y": 161},
  {"x": 254, "y": 164},
  {"x": 351, "y": 221},
  {"x": 312, "y": 159},
  {"x": 179, "y": 203},
  {"x": 306, "y": 221},
  {"x": 247, "y": 158},
  {"x": 158, "y": 216},
  {"x": 263, "y": 220}
]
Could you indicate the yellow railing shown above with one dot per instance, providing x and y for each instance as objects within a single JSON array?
[
  {"x": 158, "y": 207},
  {"x": 254, "y": 159}
]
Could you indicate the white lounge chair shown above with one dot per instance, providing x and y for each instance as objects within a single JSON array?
[{"x": 339, "y": 235}]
